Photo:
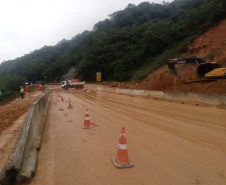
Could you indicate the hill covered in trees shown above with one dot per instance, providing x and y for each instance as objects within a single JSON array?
[{"x": 129, "y": 45}]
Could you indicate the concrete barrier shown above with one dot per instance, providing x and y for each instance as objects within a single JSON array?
[
  {"x": 135, "y": 92},
  {"x": 21, "y": 164},
  {"x": 202, "y": 98}
]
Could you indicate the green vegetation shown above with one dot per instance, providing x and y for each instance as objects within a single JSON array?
[
  {"x": 128, "y": 46},
  {"x": 10, "y": 84}
]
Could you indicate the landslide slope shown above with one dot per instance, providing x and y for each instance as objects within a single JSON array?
[{"x": 210, "y": 45}]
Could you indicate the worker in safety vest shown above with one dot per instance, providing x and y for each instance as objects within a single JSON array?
[{"x": 22, "y": 92}]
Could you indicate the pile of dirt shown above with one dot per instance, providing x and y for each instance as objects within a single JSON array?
[
  {"x": 163, "y": 80},
  {"x": 116, "y": 84}
]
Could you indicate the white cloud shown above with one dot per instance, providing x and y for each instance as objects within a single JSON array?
[{"x": 27, "y": 25}]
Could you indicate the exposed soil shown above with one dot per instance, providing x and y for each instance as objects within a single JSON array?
[
  {"x": 162, "y": 80},
  {"x": 14, "y": 109},
  {"x": 211, "y": 44}
]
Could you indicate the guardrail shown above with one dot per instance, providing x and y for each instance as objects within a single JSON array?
[{"x": 21, "y": 164}]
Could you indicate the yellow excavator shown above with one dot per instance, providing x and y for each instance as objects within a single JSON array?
[{"x": 205, "y": 69}]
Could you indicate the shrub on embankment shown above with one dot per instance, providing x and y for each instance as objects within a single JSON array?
[{"x": 10, "y": 85}]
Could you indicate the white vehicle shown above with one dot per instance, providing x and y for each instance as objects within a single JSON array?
[{"x": 74, "y": 83}]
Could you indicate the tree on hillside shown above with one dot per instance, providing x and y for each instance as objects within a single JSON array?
[{"x": 136, "y": 37}]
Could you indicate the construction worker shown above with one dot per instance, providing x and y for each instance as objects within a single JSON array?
[
  {"x": 26, "y": 92},
  {"x": 22, "y": 92}
]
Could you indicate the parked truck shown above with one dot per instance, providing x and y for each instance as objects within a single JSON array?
[{"x": 73, "y": 83}]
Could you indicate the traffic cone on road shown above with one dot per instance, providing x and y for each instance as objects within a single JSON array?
[
  {"x": 122, "y": 159},
  {"x": 86, "y": 120},
  {"x": 62, "y": 98},
  {"x": 70, "y": 106}
]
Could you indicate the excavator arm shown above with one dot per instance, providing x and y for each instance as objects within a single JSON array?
[{"x": 171, "y": 63}]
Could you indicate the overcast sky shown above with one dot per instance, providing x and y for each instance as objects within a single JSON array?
[{"x": 27, "y": 25}]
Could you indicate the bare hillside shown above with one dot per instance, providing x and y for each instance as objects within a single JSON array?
[{"x": 211, "y": 44}]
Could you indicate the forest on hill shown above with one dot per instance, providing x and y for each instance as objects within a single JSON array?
[{"x": 128, "y": 46}]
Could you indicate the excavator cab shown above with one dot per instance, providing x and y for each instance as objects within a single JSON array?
[{"x": 205, "y": 68}]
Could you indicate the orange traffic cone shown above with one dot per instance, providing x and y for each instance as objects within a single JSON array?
[
  {"x": 70, "y": 106},
  {"x": 86, "y": 121},
  {"x": 59, "y": 95},
  {"x": 122, "y": 159},
  {"x": 62, "y": 98}
]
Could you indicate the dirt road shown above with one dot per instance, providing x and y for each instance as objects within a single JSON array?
[{"x": 169, "y": 143}]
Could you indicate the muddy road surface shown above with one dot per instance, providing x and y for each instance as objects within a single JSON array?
[{"x": 169, "y": 143}]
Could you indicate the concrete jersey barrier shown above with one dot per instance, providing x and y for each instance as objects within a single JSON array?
[
  {"x": 21, "y": 164},
  {"x": 202, "y": 98}
]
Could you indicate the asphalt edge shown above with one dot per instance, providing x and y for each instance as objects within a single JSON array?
[{"x": 22, "y": 162}]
